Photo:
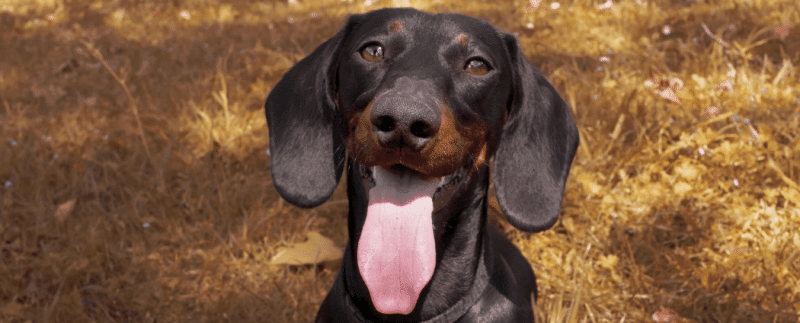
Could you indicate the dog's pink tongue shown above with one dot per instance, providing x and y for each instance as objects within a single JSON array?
[{"x": 396, "y": 251}]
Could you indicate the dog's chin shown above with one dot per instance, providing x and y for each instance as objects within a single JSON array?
[{"x": 445, "y": 187}]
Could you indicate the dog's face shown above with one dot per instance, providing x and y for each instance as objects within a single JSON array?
[
  {"x": 423, "y": 93},
  {"x": 423, "y": 99}
]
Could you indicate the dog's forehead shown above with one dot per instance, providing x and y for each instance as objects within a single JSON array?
[{"x": 439, "y": 28}]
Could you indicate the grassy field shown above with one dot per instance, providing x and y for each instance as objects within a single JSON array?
[{"x": 136, "y": 187}]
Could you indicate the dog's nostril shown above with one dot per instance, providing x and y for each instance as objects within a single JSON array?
[
  {"x": 421, "y": 129},
  {"x": 384, "y": 124}
]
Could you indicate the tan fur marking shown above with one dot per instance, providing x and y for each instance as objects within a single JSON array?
[
  {"x": 396, "y": 26},
  {"x": 462, "y": 39}
]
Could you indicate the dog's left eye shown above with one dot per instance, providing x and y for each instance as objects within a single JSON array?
[
  {"x": 477, "y": 66},
  {"x": 372, "y": 53}
]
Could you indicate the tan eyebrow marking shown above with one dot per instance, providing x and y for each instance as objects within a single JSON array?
[
  {"x": 396, "y": 26},
  {"x": 462, "y": 39}
]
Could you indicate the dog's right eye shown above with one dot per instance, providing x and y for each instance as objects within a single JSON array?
[
  {"x": 477, "y": 67},
  {"x": 372, "y": 53}
]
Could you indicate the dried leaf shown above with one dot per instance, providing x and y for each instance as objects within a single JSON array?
[
  {"x": 665, "y": 315},
  {"x": 315, "y": 250},
  {"x": 669, "y": 94},
  {"x": 64, "y": 210}
]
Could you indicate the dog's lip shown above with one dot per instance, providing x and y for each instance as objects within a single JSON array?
[
  {"x": 405, "y": 169},
  {"x": 401, "y": 169},
  {"x": 445, "y": 182}
]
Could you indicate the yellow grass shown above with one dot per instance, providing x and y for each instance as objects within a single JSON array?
[{"x": 136, "y": 187}]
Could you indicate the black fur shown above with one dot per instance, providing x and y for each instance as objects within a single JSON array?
[{"x": 480, "y": 276}]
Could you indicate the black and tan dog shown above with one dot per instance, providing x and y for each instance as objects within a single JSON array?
[{"x": 418, "y": 105}]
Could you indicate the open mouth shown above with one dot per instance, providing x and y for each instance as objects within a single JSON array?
[
  {"x": 443, "y": 187},
  {"x": 396, "y": 252}
]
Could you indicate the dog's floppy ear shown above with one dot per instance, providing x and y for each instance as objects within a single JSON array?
[
  {"x": 305, "y": 141},
  {"x": 536, "y": 148}
]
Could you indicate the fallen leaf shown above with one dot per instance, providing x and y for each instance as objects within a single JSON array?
[
  {"x": 64, "y": 210},
  {"x": 315, "y": 249},
  {"x": 665, "y": 315},
  {"x": 669, "y": 94}
]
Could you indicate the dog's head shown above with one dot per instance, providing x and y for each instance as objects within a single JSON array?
[{"x": 419, "y": 103}]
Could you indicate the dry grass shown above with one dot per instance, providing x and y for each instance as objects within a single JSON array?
[{"x": 137, "y": 189}]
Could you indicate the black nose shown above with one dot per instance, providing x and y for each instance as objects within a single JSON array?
[{"x": 406, "y": 116}]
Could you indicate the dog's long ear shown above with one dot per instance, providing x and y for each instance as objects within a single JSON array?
[
  {"x": 536, "y": 149},
  {"x": 305, "y": 141}
]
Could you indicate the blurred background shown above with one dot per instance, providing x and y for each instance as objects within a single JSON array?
[{"x": 136, "y": 185}]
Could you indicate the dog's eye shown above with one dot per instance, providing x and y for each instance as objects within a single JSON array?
[
  {"x": 372, "y": 53},
  {"x": 477, "y": 66}
]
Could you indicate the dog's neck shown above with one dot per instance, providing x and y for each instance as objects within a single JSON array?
[{"x": 458, "y": 231}]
